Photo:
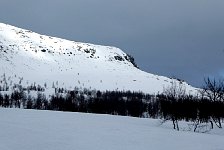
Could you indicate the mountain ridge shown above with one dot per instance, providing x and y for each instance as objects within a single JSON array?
[{"x": 28, "y": 58}]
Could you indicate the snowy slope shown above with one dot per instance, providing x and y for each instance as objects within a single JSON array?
[
  {"x": 48, "y": 130},
  {"x": 27, "y": 57}
]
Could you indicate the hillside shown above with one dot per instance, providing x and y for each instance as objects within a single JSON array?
[{"x": 28, "y": 58}]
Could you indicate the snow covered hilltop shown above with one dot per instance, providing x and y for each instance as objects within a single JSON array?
[{"x": 29, "y": 58}]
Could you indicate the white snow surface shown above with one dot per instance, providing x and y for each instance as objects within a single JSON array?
[
  {"x": 49, "y": 130},
  {"x": 27, "y": 57}
]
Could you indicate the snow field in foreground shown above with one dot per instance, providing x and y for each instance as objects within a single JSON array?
[{"x": 49, "y": 130}]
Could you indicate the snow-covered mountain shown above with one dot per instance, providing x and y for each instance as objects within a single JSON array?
[{"x": 27, "y": 58}]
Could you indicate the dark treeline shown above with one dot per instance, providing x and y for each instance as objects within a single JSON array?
[
  {"x": 189, "y": 108},
  {"x": 173, "y": 104},
  {"x": 117, "y": 103}
]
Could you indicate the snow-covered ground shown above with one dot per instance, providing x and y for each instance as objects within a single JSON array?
[
  {"x": 27, "y": 58},
  {"x": 48, "y": 130}
]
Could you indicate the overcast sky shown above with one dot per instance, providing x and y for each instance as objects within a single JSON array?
[{"x": 181, "y": 38}]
